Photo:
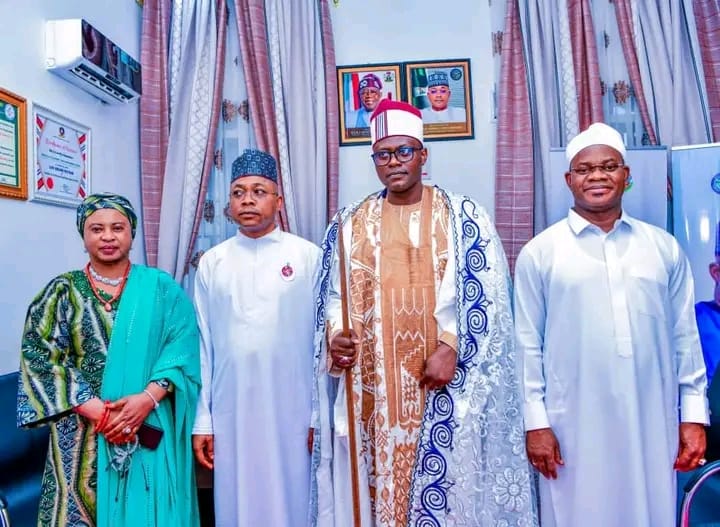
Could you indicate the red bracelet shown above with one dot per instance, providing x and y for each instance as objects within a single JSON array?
[{"x": 102, "y": 423}]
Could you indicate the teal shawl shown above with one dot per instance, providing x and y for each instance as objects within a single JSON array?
[{"x": 154, "y": 336}]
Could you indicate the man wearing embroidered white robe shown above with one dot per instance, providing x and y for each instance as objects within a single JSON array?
[
  {"x": 255, "y": 301},
  {"x": 436, "y": 399},
  {"x": 606, "y": 331}
]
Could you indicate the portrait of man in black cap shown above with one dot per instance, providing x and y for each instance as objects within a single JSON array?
[{"x": 438, "y": 94}]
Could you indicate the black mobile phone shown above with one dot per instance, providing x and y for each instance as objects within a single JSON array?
[{"x": 149, "y": 436}]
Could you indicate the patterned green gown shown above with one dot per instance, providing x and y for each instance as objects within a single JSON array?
[{"x": 64, "y": 347}]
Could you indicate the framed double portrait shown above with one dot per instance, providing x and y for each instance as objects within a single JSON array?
[{"x": 441, "y": 90}]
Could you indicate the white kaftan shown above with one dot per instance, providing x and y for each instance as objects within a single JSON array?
[
  {"x": 451, "y": 114},
  {"x": 255, "y": 300},
  {"x": 605, "y": 328}
]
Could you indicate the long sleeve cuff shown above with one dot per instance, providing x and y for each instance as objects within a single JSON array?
[
  {"x": 80, "y": 395},
  {"x": 332, "y": 332},
  {"x": 203, "y": 425},
  {"x": 333, "y": 327},
  {"x": 83, "y": 396},
  {"x": 536, "y": 416},
  {"x": 449, "y": 339},
  {"x": 694, "y": 409}
]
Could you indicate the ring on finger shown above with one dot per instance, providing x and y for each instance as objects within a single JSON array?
[
  {"x": 127, "y": 430},
  {"x": 702, "y": 461}
]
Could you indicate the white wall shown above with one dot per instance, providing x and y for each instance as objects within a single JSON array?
[
  {"x": 39, "y": 241},
  {"x": 376, "y": 31}
]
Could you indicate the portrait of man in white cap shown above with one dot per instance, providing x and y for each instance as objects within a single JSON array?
[
  {"x": 435, "y": 397},
  {"x": 438, "y": 94},
  {"x": 606, "y": 334}
]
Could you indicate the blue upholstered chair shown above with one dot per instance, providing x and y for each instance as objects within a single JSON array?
[
  {"x": 22, "y": 460},
  {"x": 4, "y": 514}
]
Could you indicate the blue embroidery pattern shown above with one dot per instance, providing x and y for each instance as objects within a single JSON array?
[
  {"x": 327, "y": 257},
  {"x": 439, "y": 423},
  {"x": 431, "y": 461},
  {"x": 325, "y": 264},
  {"x": 470, "y": 467}
]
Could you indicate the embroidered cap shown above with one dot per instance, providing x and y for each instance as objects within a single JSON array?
[
  {"x": 370, "y": 81},
  {"x": 438, "y": 78},
  {"x": 395, "y": 118},
  {"x": 596, "y": 134},
  {"x": 254, "y": 163},
  {"x": 95, "y": 202}
]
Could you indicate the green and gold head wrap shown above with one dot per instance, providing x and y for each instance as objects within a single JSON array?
[{"x": 95, "y": 202}]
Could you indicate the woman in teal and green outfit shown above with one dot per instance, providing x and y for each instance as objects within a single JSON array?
[{"x": 110, "y": 362}]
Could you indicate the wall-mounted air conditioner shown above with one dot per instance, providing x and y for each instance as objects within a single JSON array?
[{"x": 82, "y": 55}]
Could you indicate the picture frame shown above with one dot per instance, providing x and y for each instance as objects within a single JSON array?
[
  {"x": 442, "y": 91},
  {"x": 377, "y": 81},
  {"x": 13, "y": 146},
  {"x": 61, "y": 160}
]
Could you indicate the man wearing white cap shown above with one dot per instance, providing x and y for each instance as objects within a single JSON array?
[
  {"x": 606, "y": 333},
  {"x": 436, "y": 408}
]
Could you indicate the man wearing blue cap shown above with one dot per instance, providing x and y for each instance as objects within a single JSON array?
[
  {"x": 438, "y": 93},
  {"x": 254, "y": 296},
  {"x": 708, "y": 316}
]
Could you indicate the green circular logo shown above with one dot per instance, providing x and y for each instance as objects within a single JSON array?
[{"x": 630, "y": 183}]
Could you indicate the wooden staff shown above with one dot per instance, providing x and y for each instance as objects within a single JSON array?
[{"x": 349, "y": 381}]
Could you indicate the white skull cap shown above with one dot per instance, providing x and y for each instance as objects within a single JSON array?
[{"x": 596, "y": 134}]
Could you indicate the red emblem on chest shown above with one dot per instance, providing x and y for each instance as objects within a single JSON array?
[{"x": 287, "y": 271}]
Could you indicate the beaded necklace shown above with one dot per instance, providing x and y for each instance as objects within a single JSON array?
[
  {"x": 94, "y": 287},
  {"x": 100, "y": 278}
]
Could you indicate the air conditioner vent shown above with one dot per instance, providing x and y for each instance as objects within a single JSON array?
[{"x": 88, "y": 75}]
